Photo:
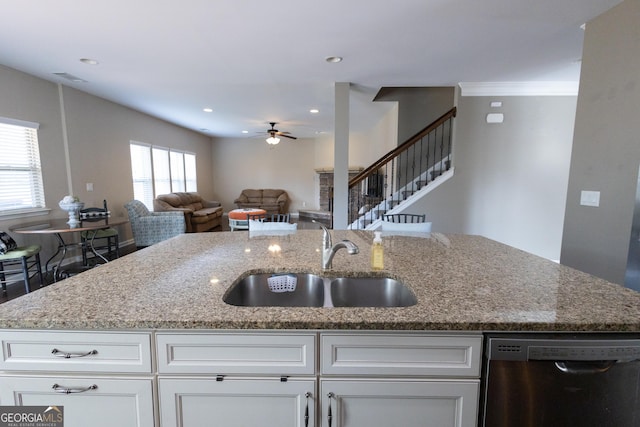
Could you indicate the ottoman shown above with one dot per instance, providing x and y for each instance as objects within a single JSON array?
[{"x": 238, "y": 218}]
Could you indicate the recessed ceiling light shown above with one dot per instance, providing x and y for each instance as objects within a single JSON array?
[
  {"x": 208, "y": 110},
  {"x": 333, "y": 59},
  {"x": 245, "y": 131},
  {"x": 314, "y": 111},
  {"x": 89, "y": 61}
]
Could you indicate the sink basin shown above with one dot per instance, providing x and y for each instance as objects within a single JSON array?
[
  {"x": 370, "y": 292},
  {"x": 254, "y": 291}
]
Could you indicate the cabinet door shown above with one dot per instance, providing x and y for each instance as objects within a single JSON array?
[
  {"x": 406, "y": 403},
  {"x": 205, "y": 402},
  {"x": 89, "y": 401}
]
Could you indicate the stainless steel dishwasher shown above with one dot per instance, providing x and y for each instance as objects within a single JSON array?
[{"x": 561, "y": 381}]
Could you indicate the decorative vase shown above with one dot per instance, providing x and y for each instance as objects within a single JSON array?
[{"x": 74, "y": 211}]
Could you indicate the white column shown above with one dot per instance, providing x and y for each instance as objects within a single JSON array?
[{"x": 341, "y": 156}]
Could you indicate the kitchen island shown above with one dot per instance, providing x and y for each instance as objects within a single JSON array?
[{"x": 150, "y": 336}]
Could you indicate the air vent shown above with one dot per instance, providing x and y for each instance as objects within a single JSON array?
[
  {"x": 70, "y": 77},
  {"x": 504, "y": 348}
]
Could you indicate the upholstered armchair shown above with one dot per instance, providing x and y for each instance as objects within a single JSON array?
[{"x": 152, "y": 227}]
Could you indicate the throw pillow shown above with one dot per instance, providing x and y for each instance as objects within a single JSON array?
[{"x": 6, "y": 243}]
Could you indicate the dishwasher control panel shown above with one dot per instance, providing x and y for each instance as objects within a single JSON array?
[
  {"x": 523, "y": 349},
  {"x": 587, "y": 352}
]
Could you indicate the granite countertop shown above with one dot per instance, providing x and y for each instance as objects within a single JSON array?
[{"x": 464, "y": 283}]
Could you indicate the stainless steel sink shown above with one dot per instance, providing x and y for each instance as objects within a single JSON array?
[
  {"x": 315, "y": 291},
  {"x": 370, "y": 292},
  {"x": 254, "y": 291}
]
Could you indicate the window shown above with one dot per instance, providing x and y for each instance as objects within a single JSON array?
[
  {"x": 21, "y": 188},
  {"x": 159, "y": 170},
  {"x": 190, "y": 172},
  {"x": 177, "y": 171},
  {"x": 142, "y": 175}
]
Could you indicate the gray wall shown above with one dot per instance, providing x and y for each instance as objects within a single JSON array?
[
  {"x": 606, "y": 147},
  {"x": 417, "y": 106},
  {"x": 510, "y": 179}
]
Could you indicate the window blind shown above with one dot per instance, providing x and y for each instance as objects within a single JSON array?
[
  {"x": 190, "y": 171},
  {"x": 177, "y": 170},
  {"x": 21, "y": 185},
  {"x": 161, "y": 173},
  {"x": 142, "y": 174}
]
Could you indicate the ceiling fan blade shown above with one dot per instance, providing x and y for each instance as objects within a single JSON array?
[{"x": 287, "y": 136}]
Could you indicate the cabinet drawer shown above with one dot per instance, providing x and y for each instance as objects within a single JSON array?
[
  {"x": 86, "y": 401},
  {"x": 236, "y": 353},
  {"x": 400, "y": 354},
  {"x": 70, "y": 351}
]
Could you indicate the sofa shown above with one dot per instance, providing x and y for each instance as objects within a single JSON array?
[
  {"x": 199, "y": 214},
  {"x": 272, "y": 201}
]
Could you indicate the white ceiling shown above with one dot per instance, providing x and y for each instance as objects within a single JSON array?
[{"x": 256, "y": 61}]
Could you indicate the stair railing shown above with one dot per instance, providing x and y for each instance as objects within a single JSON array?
[{"x": 401, "y": 172}]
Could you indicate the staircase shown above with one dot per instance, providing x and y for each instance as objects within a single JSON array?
[{"x": 403, "y": 175}]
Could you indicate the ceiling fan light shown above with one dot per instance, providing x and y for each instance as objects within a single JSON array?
[{"x": 272, "y": 140}]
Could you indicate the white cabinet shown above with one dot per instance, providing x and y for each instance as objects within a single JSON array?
[
  {"x": 395, "y": 402},
  {"x": 237, "y": 379},
  {"x": 237, "y": 352},
  {"x": 100, "y": 378},
  {"x": 237, "y": 402},
  {"x": 245, "y": 378},
  {"x": 87, "y": 401},
  {"x": 403, "y": 379},
  {"x": 75, "y": 351}
]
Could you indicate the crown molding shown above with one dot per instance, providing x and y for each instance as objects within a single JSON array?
[{"x": 566, "y": 88}]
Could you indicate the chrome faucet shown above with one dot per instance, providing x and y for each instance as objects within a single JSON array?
[{"x": 329, "y": 249}]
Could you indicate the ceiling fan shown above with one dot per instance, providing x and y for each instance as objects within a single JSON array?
[{"x": 275, "y": 133}]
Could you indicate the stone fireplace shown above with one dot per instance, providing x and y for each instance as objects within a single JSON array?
[
  {"x": 325, "y": 182},
  {"x": 326, "y": 186}
]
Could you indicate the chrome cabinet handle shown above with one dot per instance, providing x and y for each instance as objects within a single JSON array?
[
  {"x": 69, "y": 355},
  {"x": 306, "y": 410},
  {"x": 59, "y": 389},
  {"x": 330, "y": 414}
]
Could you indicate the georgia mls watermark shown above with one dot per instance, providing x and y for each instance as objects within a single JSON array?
[{"x": 31, "y": 416}]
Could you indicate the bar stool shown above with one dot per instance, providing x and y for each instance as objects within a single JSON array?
[{"x": 22, "y": 259}]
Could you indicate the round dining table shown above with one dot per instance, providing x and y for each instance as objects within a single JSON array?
[{"x": 59, "y": 227}]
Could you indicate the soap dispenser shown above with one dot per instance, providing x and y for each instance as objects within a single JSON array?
[{"x": 377, "y": 252}]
